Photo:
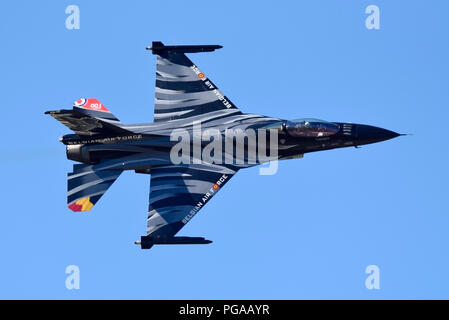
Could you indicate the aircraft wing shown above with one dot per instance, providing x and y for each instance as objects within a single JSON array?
[
  {"x": 182, "y": 90},
  {"x": 177, "y": 193}
]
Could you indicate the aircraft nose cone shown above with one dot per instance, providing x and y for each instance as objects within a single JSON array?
[{"x": 371, "y": 134}]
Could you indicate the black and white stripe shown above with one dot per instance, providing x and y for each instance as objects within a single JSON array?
[
  {"x": 181, "y": 94},
  {"x": 175, "y": 190}
]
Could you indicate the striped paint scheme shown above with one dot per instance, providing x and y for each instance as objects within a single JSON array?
[
  {"x": 85, "y": 186},
  {"x": 176, "y": 190},
  {"x": 182, "y": 91},
  {"x": 183, "y": 95}
]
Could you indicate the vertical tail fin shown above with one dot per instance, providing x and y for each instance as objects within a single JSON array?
[
  {"x": 95, "y": 109},
  {"x": 89, "y": 117}
]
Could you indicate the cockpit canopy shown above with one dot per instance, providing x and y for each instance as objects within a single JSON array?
[{"x": 310, "y": 128}]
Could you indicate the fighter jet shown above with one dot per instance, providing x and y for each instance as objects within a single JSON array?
[{"x": 198, "y": 141}]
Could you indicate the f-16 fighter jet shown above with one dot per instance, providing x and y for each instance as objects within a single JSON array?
[{"x": 198, "y": 141}]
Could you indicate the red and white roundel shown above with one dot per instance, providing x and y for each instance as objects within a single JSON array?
[
  {"x": 91, "y": 104},
  {"x": 80, "y": 102}
]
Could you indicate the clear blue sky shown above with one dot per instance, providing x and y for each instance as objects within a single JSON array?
[{"x": 307, "y": 232}]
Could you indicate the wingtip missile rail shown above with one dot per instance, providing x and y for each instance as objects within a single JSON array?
[{"x": 158, "y": 47}]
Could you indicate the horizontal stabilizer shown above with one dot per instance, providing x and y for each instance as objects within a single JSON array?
[
  {"x": 146, "y": 242},
  {"x": 85, "y": 186}
]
